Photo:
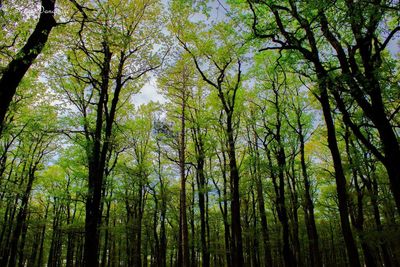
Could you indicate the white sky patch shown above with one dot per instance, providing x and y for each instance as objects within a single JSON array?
[
  {"x": 394, "y": 47},
  {"x": 149, "y": 92}
]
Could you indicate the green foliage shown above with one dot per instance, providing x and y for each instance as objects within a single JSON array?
[{"x": 236, "y": 69}]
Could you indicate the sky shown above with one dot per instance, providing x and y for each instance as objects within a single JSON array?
[{"x": 149, "y": 92}]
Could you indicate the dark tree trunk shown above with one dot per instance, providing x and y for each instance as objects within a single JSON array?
[
  {"x": 183, "y": 258},
  {"x": 237, "y": 246},
  {"x": 278, "y": 182},
  {"x": 55, "y": 252},
  {"x": 341, "y": 187},
  {"x": 137, "y": 227},
  {"x": 309, "y": 217},
  {"x": 42, "y": 238},
  {"x": 261, "y": 208},
  {"x": 192, "y": 230},
  {"x": 106, "y": 250},
  {"x": 278, "y": 179},
  {"x": 223, "y": 205},
  {"x": 21, "y": 218},
  {"x": 357, "y": 214},
  {"x": 202, "y": 191},
  {"x": 163, "y": 211},
  {"x": 97, "y": 157},
  {"x": 255, "y": 259},
  {"x": 34, "y": 252},
  {"x": 292, "y": 184},
  {"x": 289, "y": 258},
  {"x": 227, "y": 96},
  {"x": 372, "y": 187},
  {"x": 70, "y": 249},
  {"x": 21, "y": 252}
]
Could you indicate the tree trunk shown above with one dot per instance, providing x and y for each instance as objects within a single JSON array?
[
  {"x": 42, "y": 238},
  {"x": 261, "y": 207},
  {"x": 96, "y": 158},
  {"x": 192, "y": 230},
  {"x": 184, "y": 260},
  {"x": 237, "y": 246},
  {"x": 21, "y": 218},
  {"x": 201, "y": 184},
  {"x": 309, "y": 217},
  {"x": 341, "y": 187}
]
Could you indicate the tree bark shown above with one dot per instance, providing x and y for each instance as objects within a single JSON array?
[
  {"x": 341, "y": 187},
  {"x": 237, "y": 246},
  {"x": 21, "y": 218},
  {"x": 309, "y": 216},
  {"x": 184, "y": 260},
  {"x": 201, "y": 184},
  {"x": 96, "y": 171}
]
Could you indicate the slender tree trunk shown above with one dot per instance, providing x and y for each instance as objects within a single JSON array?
[
  {"x": 255, "y": 243},
  {"x": 373, "y": 190},
  {"x": 309, "y": 217},
  {"x": 261, "y": 207},
  {"x": 207, "y": 224},
  {"x": 96, "y": 159},
  {"x": 42, "y": 238},
  {"x": 357, "y": 214},
  {"x": 279, "y": 180},
  {"x": 224, "y": 211},
  {"x": 163, "y": 236},
  {"x": 201, "y": 184},
  {"x": 137, "y": 227},
  {"x": 291, "y": 178},
  {"x": 341, "y": 187},
  {"x": 70, "y": 250},
  {"x": 162, "y": 249},
  {"x": 106, "y": 251},
  {"x": 192, "y": 230},
  {"x": 184, "y": 260},
  {"x": 55, "y": 252},
  {"x": 21, "y": 219},
  {"x": 282, "y": 212},
  {"x": 34, "y": 252},
  {"x": 21, "y": 252},
  {"x": 237, "y": 246}
]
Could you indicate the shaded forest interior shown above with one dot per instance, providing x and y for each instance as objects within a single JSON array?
[{"x": 199, "y": 133}]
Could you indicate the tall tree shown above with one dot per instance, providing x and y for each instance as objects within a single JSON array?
[
  {"x": 21, "y": 62},
  {"x": 227, "y": 94},
  {"x": 357, "y": 71},
  {"x": 106, "y": 60},
  {"x": 178, "y": 82}
]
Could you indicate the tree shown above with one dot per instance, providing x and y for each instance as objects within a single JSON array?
[
  {"x": 19, "y": 65},
  {"x": 178, "y": 82},
  {"x": 251, "y": 158},
  {"x": 227, "y": 93},
  {"x": 306, "y": 45},
  {"x": 101, "y": 65},
  {"x": 354, "y": 71}
]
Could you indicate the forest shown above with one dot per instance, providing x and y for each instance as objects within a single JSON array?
[{"x": 199, "y": 133}]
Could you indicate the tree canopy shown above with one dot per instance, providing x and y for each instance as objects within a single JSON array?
[{"x": 275, "y": 140}]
